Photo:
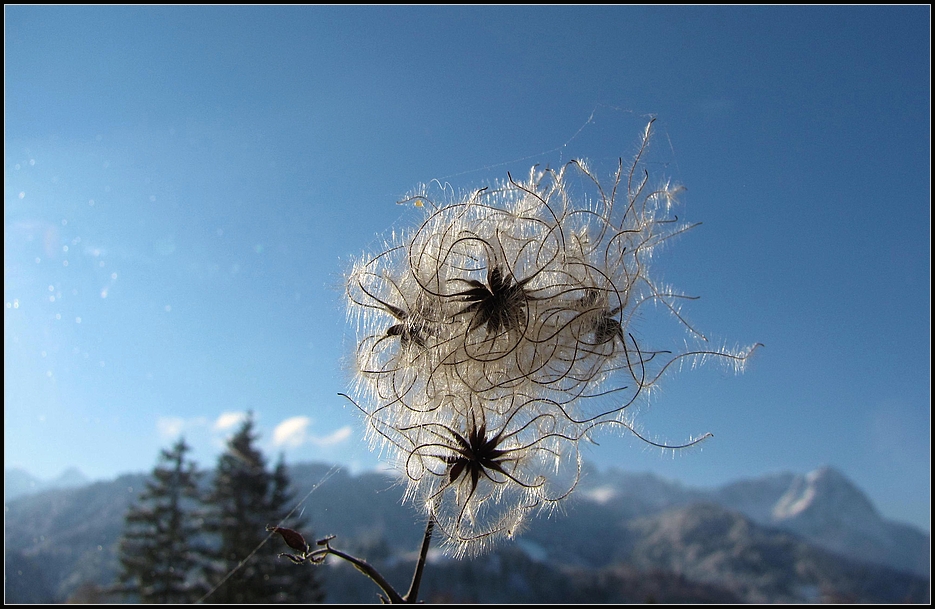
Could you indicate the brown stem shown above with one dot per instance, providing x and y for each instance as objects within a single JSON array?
[
  {"x": 420, "y": 566},
  {"x": 368, "y": 570}
]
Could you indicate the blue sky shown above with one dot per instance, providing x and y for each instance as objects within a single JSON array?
[{"x": 185, "y": 187}]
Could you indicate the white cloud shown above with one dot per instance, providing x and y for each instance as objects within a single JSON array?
[
  {"x": 292, "y": 432},
  {"x": 388, "y": 469},
  {"x": 228, "y": 420},
  {"x": 170, "y": 427},
  {"x": 335, "y": 438}
]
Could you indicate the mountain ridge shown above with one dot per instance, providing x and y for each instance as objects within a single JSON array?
[
  {"x": 17, "y": 481},
  {"x": 615, "y": 522}
]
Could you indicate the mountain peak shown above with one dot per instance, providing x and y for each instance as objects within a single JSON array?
[
  {"x": 17, "y": 482},
  {"x": 824, "y": 494}
]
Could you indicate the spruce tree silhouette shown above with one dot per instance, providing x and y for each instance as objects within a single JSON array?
[
  {"x": 244, "y": 499},
  {"x": 159, "y": 556}
]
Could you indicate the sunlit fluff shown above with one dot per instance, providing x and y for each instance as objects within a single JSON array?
[{"x": 498, "y": 334}]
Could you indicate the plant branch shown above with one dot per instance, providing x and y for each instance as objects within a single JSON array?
[
  {"x": 420, "y": 566},
  {"x": 363, "y": 566}
]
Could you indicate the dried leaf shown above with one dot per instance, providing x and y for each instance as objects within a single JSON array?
[{"x": 292, "y": 538}]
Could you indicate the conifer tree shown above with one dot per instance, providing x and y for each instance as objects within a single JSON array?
[
  {"x": 159, "y": 555},
  {"x": 245, "y": 498}
]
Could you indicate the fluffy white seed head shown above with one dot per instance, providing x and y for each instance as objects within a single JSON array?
[{"x": 497, "y": 334}]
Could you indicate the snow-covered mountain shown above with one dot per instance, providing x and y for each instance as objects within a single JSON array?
[
  {"x": 780, "y": 537},
  {"x": 822, "y": 507},
  {"x": 826, "y": 508}
]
